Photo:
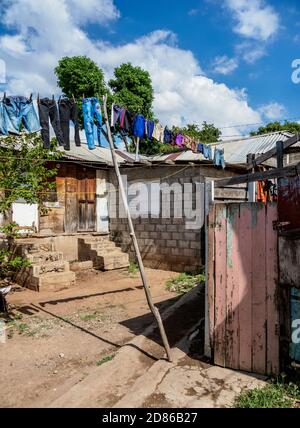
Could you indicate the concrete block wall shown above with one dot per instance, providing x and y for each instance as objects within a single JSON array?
[{"x": 164, "y": 243}]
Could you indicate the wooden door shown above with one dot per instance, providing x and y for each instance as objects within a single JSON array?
[
  {"x": 86, "y": 200},
  {"x": 242, "y": 287},
  {"x": 71, "y": 205}
]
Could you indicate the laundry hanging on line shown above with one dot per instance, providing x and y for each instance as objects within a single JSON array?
[
  {"x": 16, "y": 111},
  {"x": 68, "y": 112},
  {"x": 92, "y": 111},
  {"x": 219, "y": 158},
  {"x": 48, "y": 111}
]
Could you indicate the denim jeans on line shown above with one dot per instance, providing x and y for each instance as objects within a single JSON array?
[
  {"x": 207, "y": 152},
  {"x": 219, "y": 158},
  {"x": 48, "y": 111},
  {"x": 68, "y": 111},
  {"x": 20, "y": 110},
  {"x": 92, "y": 109}
]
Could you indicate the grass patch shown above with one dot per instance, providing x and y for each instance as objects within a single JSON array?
[
  {"x": 133, "y": 269},
  {"x": 185, "y": 282},
  {"x": 22, "y": 328},
  {"x": 105, "y": 360},
  {"x": 277, "y": 394},
  {"x": 88, "y": 317}
]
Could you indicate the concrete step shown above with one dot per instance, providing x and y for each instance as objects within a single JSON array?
[
  {"x": 50, "y": 267},
  {"x": 52, "y": 281},
  {"x": 90, "y": 241},
  {"x": 45, "y": 257},
  {"x": 33, "y": 248},
  {"x": 82, "y": 266},
  {"x": 112, "y": 261},
  {"x": 103, "y": 252},
  {"x": 103, "y": 248}
]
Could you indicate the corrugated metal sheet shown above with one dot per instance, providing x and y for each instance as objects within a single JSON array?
[
  {"x": 98, "y": 155},
  {"x": 82, "y": 153},
  {"x": 236, "y": 151}
]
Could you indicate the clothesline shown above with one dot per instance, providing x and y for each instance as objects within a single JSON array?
[{"x": 17, "y": 110}]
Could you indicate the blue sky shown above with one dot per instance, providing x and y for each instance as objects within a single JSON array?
[
  {"x": 206, "y": 29},
  {"x": 227, "y": 62}
]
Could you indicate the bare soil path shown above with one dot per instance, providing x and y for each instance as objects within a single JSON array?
[{"x": 57, "y": 339}]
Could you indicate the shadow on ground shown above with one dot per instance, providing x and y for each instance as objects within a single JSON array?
[{"x": 177, "y": 325}]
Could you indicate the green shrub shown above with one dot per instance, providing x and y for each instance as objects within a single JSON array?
[
  {"x": 276, "y": 394},
  {"x": 10, "y": 263},
  {"x": 185, "y": 282}
]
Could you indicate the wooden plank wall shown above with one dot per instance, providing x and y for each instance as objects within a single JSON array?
[
  {"x": 243, "y": 291},
  {"x": 237, "y": 193},
  {"x": 75, "y": 184}
]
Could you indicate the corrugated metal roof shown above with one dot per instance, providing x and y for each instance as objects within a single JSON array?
[
  {"x": 236, "y": 151},
  {"x": 98, "y": 155},
  {"x": 82, "y": 153}
]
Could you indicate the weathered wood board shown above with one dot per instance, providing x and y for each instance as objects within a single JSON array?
[{"x": 245, "y": 275}]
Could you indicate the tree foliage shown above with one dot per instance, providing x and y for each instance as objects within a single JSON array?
[
  {"x": 132, "y": 89},
  {"x": 208, "y": 134},
  {"x": 292, "y": 127},
  {"x": 23, "y": 170},
  {"x": 78, "y": 76},
  {"x": 24, "y": 174}
]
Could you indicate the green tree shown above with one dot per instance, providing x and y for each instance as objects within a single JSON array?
[
  {"x": 24, "y": 174},
  {"x": 78, "y": 76},
  {"x": 208, "y": 134},
  {"x": 132, "y": 89},
  {"x": 292, "y": 127}
]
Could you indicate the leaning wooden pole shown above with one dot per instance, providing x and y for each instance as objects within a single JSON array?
[{"x": 152, "y": 307}]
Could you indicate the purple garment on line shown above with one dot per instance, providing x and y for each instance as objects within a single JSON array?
[
  {"x": 118, "y": 115},
  {"x": 179, "y": 140}
]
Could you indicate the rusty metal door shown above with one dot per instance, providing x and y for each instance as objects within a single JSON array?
[
  {"x": 242, "y": 287},
  {"x": 87, "y": 200},
  {"x": 289, "y": 265}
]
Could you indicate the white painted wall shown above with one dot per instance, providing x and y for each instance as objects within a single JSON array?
[
  {"x": 25, "y": 215},
  {"x": 102, "y": 202}
]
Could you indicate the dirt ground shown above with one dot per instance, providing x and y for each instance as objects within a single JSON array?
[{"x": 54, "y": 340}]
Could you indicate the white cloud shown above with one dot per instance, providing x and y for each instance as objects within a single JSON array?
[
  {"x": 15, "y": 45},
  {"x": 182, "y": 92},
  {"x": 48, "y": 30},
  {"x": 255, "y": 19},
  {"x": 273, "y": 111},
  {"x": 225, "y": 65},
  {"x": 93, "y": 11},
  {"x": 251, "y": 51},
  {"x": 193, "y": 12}
]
